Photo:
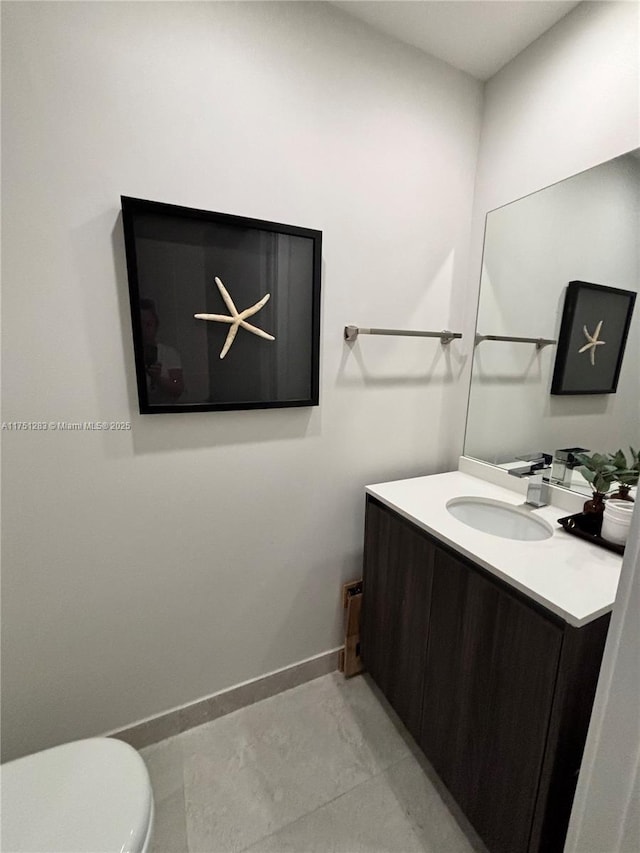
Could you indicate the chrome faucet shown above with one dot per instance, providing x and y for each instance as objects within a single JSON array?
[{"x": 537, "y": 491}]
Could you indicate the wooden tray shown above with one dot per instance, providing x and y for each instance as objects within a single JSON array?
[{"x": 586, "y": 527}]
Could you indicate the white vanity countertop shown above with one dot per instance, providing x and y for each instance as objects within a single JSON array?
[{"x": 568, "y": 576}]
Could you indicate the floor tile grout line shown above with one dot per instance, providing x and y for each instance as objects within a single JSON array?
[
  {"x": 375, "y": 773},
  {"x": 350, "y": 790},
  {"x": 378, "y": 772},
  {"x": 305, "y": 815}
]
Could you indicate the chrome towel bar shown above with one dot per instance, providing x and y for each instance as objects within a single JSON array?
[
  {"x": 539, "y": 342},
  {"x": 352, "y": 332}
]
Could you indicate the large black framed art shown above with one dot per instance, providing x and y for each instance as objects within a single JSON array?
[{"x": 225, "y": 309}]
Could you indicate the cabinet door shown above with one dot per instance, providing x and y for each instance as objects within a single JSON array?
[
  {"x": 490, "y": 677},
  {"x": 398, "y": 570}
]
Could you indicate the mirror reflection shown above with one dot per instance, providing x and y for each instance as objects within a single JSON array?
[{"x": 536, "y": 404}]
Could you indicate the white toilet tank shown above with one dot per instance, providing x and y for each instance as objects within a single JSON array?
[{"x": 90, "y": 795}]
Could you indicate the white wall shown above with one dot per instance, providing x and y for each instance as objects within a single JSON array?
[
  {"x": 143, "y": 570},
  {"x": 566, "y": 103},
  {"x": 585, "y": 228}
]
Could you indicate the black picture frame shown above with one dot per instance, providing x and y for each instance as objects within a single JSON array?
[
  {"x": 586, "y": 305},
  {"x": 177, "y": 258}
]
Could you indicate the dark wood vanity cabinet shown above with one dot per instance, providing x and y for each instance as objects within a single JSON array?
[
  {"x": 496, "y": 690},
  {"x": 399, "y": 561},
  {"x": 490, "y": 678}
]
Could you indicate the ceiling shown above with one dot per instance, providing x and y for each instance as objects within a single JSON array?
[{"x": 476, "y": 36}]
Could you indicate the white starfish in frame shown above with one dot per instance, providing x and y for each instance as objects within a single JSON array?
[
  {"x": 593, "y": 342},
  {"x": 236, "y": 318}
]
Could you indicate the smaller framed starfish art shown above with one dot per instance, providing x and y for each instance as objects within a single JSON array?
[
  {"x": 593, "y": 336},
  {"x": 225, "y": 310}
]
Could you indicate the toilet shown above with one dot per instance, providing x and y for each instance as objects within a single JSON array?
[{"x": 89, "y": 795}]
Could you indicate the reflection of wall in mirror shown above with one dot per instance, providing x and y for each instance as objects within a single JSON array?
[{"x": 583, "y": 228}]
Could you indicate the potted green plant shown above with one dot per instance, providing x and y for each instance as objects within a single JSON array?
[
  {"x": 626, "y": 474},
  {"x": 598, "y": 470}
]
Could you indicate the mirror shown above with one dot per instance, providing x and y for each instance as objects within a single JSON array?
[{"x": 583, "y": 229}]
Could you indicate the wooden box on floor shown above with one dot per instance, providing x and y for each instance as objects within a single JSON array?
[{"x": 350, "y": 661}]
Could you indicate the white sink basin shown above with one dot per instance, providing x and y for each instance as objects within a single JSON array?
[{"x": 499, "y": 518}]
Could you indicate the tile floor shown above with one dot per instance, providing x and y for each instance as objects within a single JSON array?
[{"x": 322, "y": 767}]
